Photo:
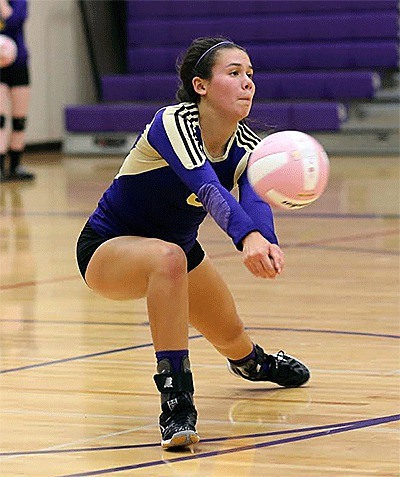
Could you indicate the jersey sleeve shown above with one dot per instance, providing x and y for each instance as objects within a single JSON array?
[
  {"x": 182, "y": 151},
  {"x": 257, "y": 209}
]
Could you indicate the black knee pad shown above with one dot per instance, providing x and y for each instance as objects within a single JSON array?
[
  {"x": 2, "y": 121},
  {"x": 18, "y": 124}
]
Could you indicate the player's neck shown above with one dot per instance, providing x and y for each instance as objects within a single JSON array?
[{"x": 215, "y": 132}]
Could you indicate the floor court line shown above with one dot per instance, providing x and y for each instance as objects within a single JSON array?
[
  {"x": 312, "y": 244},
  {"x": 281, "y": 215},
  {"x": 325, "y": 427},
  {"x": 148, "y": 345},
  {"x": 356, "y": 425}
]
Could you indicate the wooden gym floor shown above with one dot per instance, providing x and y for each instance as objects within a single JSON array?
[{"x": 76, "y": 389}]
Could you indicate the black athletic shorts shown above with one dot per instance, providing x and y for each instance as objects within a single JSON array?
[
  {"x": 15, "y": 75},
  {"x": 89, "y": 240}
]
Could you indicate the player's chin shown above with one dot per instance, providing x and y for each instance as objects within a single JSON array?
[{"x": 243, "y": 109}]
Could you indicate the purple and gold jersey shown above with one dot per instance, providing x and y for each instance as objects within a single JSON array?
[{"x": 169, "y": 182}]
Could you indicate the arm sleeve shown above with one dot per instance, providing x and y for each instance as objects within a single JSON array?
[
  {"x": 20, "y": 12},
  {"x": 199, "y": 176},
  {"x": 257, "y": 209}
]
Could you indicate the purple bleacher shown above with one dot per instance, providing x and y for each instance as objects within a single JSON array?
[
  {"x": 133, "y": 117},
  {"x": 296, "y": 85},
  {"x": 109, "y": 117},
  {"x": 139, "y": 87},
  {"x": 302, "y": 50},
  {"x": 259, "y": 29},
  {"x": 139, "y": 9},
  {"x": 291, "y": 56},
  {"x": 298, "y": 116}
]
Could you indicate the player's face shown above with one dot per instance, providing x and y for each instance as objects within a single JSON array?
[{"x": 231, "y": 89}]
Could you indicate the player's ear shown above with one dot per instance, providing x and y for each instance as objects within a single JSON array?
[{"x": 199, "y": 85}]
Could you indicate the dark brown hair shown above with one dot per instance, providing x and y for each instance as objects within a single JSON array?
[{"x": 198, "y": 61}]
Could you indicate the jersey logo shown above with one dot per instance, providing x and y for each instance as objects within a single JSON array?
[{"x": 194, "y": 200}]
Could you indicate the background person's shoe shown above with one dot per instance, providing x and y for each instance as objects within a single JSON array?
[{"x": 20, "y": 174}]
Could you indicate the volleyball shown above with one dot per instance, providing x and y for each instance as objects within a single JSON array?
[
  {"x": 8, "y": 51},
  {"x": 288, "y": 169}
]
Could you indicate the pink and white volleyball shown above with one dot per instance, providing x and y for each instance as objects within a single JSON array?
[
  {"x": 288, "y": 169},
  {"x": 8, "y": 51}
]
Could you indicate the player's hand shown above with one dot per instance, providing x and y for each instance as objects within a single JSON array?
[{"x": 262, "y": 258}]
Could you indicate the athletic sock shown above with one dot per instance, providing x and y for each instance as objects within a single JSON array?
[
  {"x": 243, "y": 361},
  {"x": 175, "y": 357},
  {"x": 2, "y": 160}
]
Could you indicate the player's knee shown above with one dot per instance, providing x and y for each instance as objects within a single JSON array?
[
  {"x": 18, "y": 124},
  {"x": 2, "y": 121},
  {"x": 171, "y": 261}
]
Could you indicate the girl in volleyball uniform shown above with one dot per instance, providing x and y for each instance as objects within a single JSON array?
[
  {"x": 141, "y": 241},
  {"x": 169, "y": 182},
  {"x": 14, "y": 88}
]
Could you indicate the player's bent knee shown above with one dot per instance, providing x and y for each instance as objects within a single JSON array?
[{"x": 171, "y": 261}]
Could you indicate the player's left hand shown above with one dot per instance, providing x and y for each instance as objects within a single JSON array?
[{"x": 262, "y": 258}]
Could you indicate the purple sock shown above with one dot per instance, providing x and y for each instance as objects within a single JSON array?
[
  {"x": 175, "y": 357},
  {"x": 240, "y": 362},
  {"x": 252, "y": 355}
]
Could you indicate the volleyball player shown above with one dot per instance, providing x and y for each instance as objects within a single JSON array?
[
  {"x": 14, "y": 86},
  {"x": 141, "y": 241}
]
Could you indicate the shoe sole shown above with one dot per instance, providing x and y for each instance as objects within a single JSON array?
[{"x": 181, "y": 439}]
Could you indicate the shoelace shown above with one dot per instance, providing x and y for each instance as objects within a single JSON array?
[{"x": 280, "y": 355}]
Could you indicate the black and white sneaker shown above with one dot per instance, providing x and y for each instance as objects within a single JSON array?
[
  {"x": 178, "y": 422},
  {"x": 279, "y": 368},
  {"x": 179, "y": 416},
  {"x": 20, "y": 174}
]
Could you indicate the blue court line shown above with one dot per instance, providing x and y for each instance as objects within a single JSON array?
[
  {"x": 344, "y": 249},
  {"x": 301, "y": 215},
  {"x": 74, "y": 358},
  {"x": 148, "y": 345},
  {"x": 204, "y": 441},
  {"x": 311, "y": 330},
  {"x": 146, "y": 324},
  {"x": 334, "y": 429},
  {"x": 83, "y": 356}
]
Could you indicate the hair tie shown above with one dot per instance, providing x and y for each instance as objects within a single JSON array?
[{"x": 212, "y": 48}]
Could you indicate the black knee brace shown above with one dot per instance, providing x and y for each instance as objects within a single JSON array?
[
  {"x": 18, "y": 124},
  {"x": 2, "y": 121}
]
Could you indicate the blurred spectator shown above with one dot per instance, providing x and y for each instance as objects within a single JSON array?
[{"x": 14, "y": 90}]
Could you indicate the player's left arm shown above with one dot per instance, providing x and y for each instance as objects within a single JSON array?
[
  {"x": 261, "y": 252},
  {"x": 257, "y": 209}
]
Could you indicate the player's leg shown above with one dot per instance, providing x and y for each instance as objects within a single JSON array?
[
  {"x": 133, "y": 267},
  {"x": 212, "y": 311},
  {"x": 20, "y": 97},
  {"x": 125, "y": 268},
  {"x": 4, "y": 96}
]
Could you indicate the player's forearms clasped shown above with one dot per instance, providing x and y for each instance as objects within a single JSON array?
[{"x": 263, "y": 259}]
